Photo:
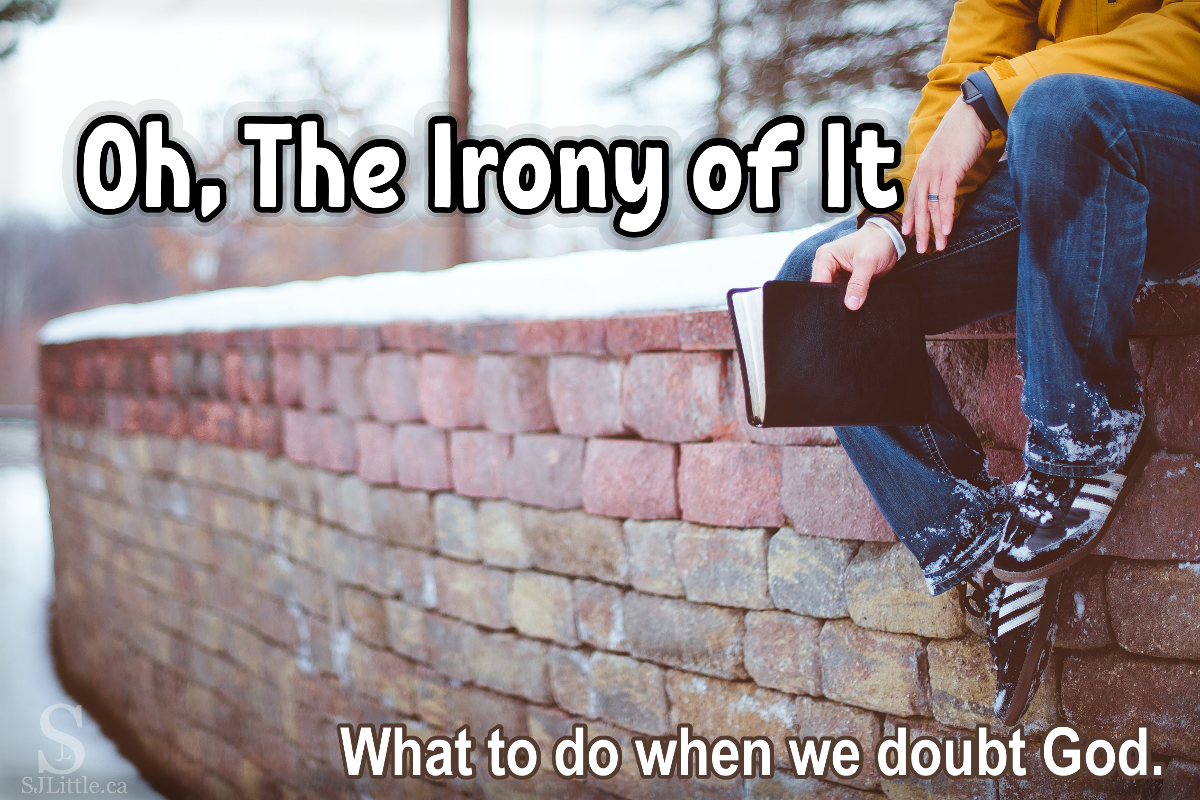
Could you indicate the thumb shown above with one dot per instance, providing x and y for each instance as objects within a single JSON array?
[{"x": 860, "y": 281}]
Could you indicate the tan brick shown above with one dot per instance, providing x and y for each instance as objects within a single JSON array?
[
  {"x": 1083, "y": 608},
  {"x": 600, "y": 615},
  {"x": 781, "y": 786},
  {"x": 575, "y": 543},
  {"x": 447, "y": 642},
  {"x": 783, "y": 651},
  {"x": 510, "y": 664},
  {"x": 502, "y": 540},
  {"x": 724, "y": 566},
  {"x": 472, "y": 592},
  {"x": 410, "y": 574},
  {"x": 880, "y": 671},
  {"x": 686, "y": 635},
  {"x": 720, "y": 708},
  {"x": 570, "y": 680},
  {"x": 963, "y": 688},
  {"x": 1155, "y": 608},
  {"x": 807, "y": 573},
  {"x": 820, "y": 718},
  {"x": 543, "y": 607},
  {"x": 628, "y": 693},
  {"x": 652, "y": 566},
  {"x": 940, "y": 785},
  {"x": 886, "y": 591},
  {"x": 483, "y": 710},
  {"x": 406, "y": 629},
  {"x": 402, "y": 517},
  {"x": 455, "y": 528}
]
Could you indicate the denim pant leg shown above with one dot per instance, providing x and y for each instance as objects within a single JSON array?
[
  {"x": 930, "y": 481},
  {"x": 1106, "y": 182}
]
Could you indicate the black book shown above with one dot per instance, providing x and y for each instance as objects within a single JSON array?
[{"x": 808, "y": 360}]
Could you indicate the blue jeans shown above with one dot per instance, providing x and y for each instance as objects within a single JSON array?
[{"x": 1101, "y": 190}]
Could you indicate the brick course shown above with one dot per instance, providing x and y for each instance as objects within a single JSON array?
[{"x": 534, "y": 523}]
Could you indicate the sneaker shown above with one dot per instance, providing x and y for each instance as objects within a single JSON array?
[
  {"x": 1060, "y": 520},
  {"x": 1021, "y": 621}
]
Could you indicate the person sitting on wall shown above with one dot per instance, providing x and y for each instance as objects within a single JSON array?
[{"x": 1054, "y": 160}]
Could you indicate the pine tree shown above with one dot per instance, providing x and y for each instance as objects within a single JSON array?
[{"x": 14, "y": 12}]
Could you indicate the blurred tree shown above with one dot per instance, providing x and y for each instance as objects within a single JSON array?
[
  {"x": 779, "y": 54},
  {"x": 14, "y": 12}
]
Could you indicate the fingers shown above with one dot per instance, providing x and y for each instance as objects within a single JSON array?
[
  {"x": 921, "y": 224},
  {"x": 824, "y": 266},
  {"x": 948, "y": 190},
  {"x": 859, "y": 283}
]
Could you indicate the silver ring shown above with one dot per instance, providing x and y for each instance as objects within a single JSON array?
[{"x": 933, "y": 198}]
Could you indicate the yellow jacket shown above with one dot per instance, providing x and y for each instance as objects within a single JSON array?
[{"x": 1151, "y": 42}]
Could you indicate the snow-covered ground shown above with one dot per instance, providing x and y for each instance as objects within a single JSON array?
[
  {"x": 596, "y": 283},
  {"x": 28, "y": 685}
]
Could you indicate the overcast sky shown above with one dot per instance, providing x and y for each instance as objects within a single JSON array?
[{"x": 550, "y": 62}]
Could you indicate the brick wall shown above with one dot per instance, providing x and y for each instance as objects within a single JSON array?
[{"x": 260, "y": 534}]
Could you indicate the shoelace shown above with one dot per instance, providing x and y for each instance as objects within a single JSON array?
[
  {"x": 975, "y": 600},
  {"x": 1039, "y": 495}
]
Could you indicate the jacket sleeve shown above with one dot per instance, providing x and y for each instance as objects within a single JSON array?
[
  {"x": 980, "y": 32},
  {"x": 1160, "y": 49}
]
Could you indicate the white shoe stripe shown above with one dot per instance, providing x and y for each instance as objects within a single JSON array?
[
  {"x": 1100, "y": 491},
  {"x": 1028, "y": 616},
  {"x": 1104, "y": 509},
  {"x": 1021, "y": 602}
]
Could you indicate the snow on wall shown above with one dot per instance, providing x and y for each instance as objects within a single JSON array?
[{"x": 590, "y": 284}]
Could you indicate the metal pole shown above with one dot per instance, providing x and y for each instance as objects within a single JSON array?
[{"x": 459, "y": 86}]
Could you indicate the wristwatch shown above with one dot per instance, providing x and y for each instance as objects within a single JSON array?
[{"x": 975, "y": 99}]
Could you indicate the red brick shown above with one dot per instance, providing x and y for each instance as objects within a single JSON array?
[
  {"x": 322, "y": 338},
  {"x": 210, "y": 376},
  {"x": 630, "y": 478},
  {"x": 210, "y": 340},
  {"x": 1158, "y": 694},
  {"x": 632, "y": 334},
  {"x": 446, "y": 391},
  {"x": 546, "y": 470},
  {"x": 1007, "y": 465},
  {"x": 823, "y": 496},
  {"x": 1160, "y": 520},
  {"x": 284, "y": 338},
  {"x": 361, "y": 338},
  {"x": 679, "y": 397},
  {"x": 478, "y": 460},
  {"x": 727, "y": 483},
  {"x": 212, "y": 421},
  {"x": 346, "y": 384},
  {"x": 286, "y": 385},
  {"x": 166, "y": 416},
  {"x": 1001, "y": 419},
  {"x": 512, "y": 394},
  {"x": 314, "y": 381},
  {"x": 422, "y": 457},
  {"x": 123, "y": 414},
  {"x": 332, "y": 442},
  {"x": 256, "y": 376},
  {"x": 491, "y": 337},
  {"x": 585, "y": 395},
  {"x": 111, "y": 366},
  {"x": 544, "y": 337},
  {"x": 1181, "y": 780},
  {"x": 390, "y": 382},
  {"x": 1173, "y": 393},
  {"x": 297, "y": 437},
  {"x": 374, "y": 441},
  {"x": 401, "y": 336},
  {"x": 706, "y": 330},
  {"x": 232, "y": 367},
  {"x": 83, "y": 371},
  {"x": 1166, "y": 309}
]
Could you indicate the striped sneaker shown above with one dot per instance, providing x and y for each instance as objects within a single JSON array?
[
  {"x": 1060, "y": 520},
  {"x": 1021, "y": 627}
]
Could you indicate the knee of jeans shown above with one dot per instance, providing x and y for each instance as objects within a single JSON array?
[{"x": 1052, "y": 110}]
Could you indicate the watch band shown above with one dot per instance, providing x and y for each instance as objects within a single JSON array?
[{"x": 975, "y": 99}]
